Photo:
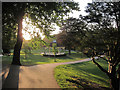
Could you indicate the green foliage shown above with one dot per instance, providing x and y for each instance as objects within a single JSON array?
[
  {"x": 36, "y": 43},
  {"x": 8, "y": 38},
  {"x": 81, "y": 75},
  {"x": 49, "y": 40},
  {"x": 42, "y": 15},
  {"x": 26, "y": 49},
  {"x": 10, "y": 12},
  {"x": 54, "y": 46},
  {"x": 73, "y": 31},
  {"x": 102, "y": 34}
]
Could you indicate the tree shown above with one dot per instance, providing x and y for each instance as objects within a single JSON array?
[
  {"x": 14, "y": 14},
  {"x": 104, "y": 36},
  {"x": 98, "y": 33},
  {"x": 73, "y": 31},
  {"x": 8, "y": 32},
  {"x": 59, "y": 39},
  {"x": 66, "y": 40},
  {"x": 42, "y": 15}
]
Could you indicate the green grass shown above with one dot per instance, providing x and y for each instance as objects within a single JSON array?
[
  {"x": 36, "y": 58},
  {"x": 81, "y": 75}
]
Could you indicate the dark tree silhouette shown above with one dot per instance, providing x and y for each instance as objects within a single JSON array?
[{"x": 105, "y": 36}]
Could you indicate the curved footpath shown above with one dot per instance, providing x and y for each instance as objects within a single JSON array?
[{"x": 37, "y": 76}]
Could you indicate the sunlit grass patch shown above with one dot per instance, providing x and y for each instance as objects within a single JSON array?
[{"x": 81, "y": 75}]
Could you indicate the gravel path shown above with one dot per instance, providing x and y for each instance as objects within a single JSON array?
[{"x": 37, "y": 76}]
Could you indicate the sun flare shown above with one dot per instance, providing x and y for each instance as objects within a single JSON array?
[
  {"x": 26, "y": 35},
  {"x": 29, "y": 29}
]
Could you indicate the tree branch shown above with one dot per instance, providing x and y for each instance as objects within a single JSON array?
[
  {"x": 100, "y": 67},
  {"x": 104, "y": 58}
]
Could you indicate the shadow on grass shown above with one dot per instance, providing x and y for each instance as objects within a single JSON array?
[
  {"x": 38, "y": 59},
  {"x": 91, "y": 68},
  {"x": 90, "y": 72},
  {"x": 87, "y": 85},
  {"x": 6, "y": 60},
  {"x": 34, "y": 59},
  {"x": 95, "y": 76},
  {"x": 12, "y": 79}
]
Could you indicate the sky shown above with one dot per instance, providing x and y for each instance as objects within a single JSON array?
[
  {"x": 82, "y": 5},
  {"x": 75, "y": 14}
]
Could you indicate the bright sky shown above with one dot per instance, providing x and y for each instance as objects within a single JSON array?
[
  {"x": 82, "y": 5},
  {"x": 75, "y": 14}
]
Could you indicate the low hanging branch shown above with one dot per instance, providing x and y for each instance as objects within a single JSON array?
[
  {"x": 103, "y": 58},
  {"x": 100, "y": 67}
]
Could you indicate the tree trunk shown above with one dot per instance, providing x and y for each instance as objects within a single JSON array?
[
  {"x": 118, "y": 76},
  {"x": 114, "y": 83},
  {"x": 69, "y": 51},
  {"x": 18, "y": 45},
  {"x": 112, "y": 74}
]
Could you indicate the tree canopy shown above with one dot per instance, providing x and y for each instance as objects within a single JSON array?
[
  {"x": 42, "y": 14},
  {"x": 105, "y": 20}
]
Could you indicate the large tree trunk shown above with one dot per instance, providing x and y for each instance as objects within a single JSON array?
[
  {"x": 118, "y": 77},
  {"x": 18, "y": 45},
  {"x": 114, "y": 83},
  {"x": 112, "y": 74},
  {"x": 113, "y": 79}
]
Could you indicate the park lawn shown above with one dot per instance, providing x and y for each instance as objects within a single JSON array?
[
  {"x": 81, "y": 75},
  {"x": 36, "y": 58}
]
